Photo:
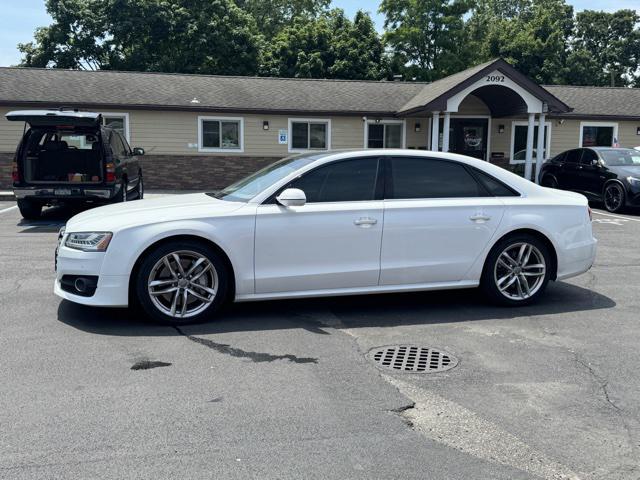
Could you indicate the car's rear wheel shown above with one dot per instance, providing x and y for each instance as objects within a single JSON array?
[
  {"x": 29, "y": 209},
  {"x": 549, "y": 181},
  {"x": 517, "y": 270},
  {"x": 182, "y": 282},
  {"x": 614, "y": 197}
]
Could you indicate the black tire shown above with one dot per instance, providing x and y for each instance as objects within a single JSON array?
[
  {"x": 492, "y": 274},
  {"x": 613, "y": 197},
  {"x": 549, "y": 181},
  {"x": 140, "y": 187},
  {"x": 156, "y": 306},
  {"x": 29, "y": 209}
]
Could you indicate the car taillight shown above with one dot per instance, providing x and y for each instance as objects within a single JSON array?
[
  {"x": 111, "y": 172},
  {"x": 14, "y": 173},
  {"x": 590, "y": 214}
]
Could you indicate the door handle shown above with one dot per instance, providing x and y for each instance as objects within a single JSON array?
[
  {"x": 479, "y": 218},
  {"x": 365, "y": 222}
]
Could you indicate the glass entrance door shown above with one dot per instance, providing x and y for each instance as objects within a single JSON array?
[{"x": 468, "y": 136}]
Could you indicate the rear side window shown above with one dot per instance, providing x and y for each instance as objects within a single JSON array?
[
  {"x": 117, "y": 147},
  {"x": 494, "y": 186},
  {"x": 572, "y": 156},
  {"x": 413, "y": 177},
  {"x": 343, "y": 181}
]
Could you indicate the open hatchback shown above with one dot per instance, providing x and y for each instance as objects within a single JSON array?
[{"x": 68, "y": 156}]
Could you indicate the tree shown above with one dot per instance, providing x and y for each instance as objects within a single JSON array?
[
  {"x": 533, "y": 35},
  {"x": 427, "y": 35},
  {"x": 188, "y": 36},
  {"x": 606, "y": 48},
  {"x": 331, "y": 46},
  {"x": 272, "y": 16}
]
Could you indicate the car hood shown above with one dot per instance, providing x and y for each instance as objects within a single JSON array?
[
  {"x": 626, "y": 170},
  {"x": 115, "y": 217}
]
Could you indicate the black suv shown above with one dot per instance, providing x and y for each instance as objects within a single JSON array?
[
  {"x": 607, "y": 174},
  {"x": 67, "y": 156}
]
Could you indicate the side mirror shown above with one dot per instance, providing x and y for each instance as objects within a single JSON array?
[
  {"x": 138, "y": 151},
  {"x": 595, "y": 162},
  {"x": 292, "y": 197}
]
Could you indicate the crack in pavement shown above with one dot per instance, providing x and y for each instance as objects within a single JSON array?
[{"x": 257, "y": 357}]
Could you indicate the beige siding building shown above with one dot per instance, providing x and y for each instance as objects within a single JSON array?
[{"x": 203, "y": 132}]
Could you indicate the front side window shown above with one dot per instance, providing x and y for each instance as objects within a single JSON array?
[
  {"x": 573, "y": 156},
  {"x": 384, "y": 135},
  {"x": 309, "y": 134},
  {"x": 598, "y": 135},
  {"x": 342, "y": 181},
  {"x": 220, "y": 134},
  {"x": 413, "y": 177},
  {"x": 589, "y": 157}
]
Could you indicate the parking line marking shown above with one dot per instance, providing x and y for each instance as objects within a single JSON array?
[
  {"x": 9, "y": 209},
  {"x": 617, "y": 216}
]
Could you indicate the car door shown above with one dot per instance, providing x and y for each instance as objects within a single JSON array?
[
  {"x": 569, "y": 172},
  {"x": 119, "y": 154},
  {"x": 132, "y": 164},
  {"x": 590, "y": 177},
  {"x": 333, "y": 241},
  {"x": 438, "y": 218}
]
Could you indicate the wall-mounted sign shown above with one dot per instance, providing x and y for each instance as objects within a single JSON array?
[{"x": 282, "y": 137}]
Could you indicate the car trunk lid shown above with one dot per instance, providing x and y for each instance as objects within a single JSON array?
[{"x": 55, "y": 118}]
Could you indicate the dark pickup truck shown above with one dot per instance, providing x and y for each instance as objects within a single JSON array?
[{"x": 68, "y": 156}]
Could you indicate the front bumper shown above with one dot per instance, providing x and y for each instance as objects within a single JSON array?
[{"x": 111, "y": 291}]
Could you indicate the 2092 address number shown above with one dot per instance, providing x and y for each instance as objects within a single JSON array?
[{"x": 495, "y": 78}]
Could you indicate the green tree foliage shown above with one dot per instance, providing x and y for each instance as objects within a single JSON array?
[
  {"x": 272, "y": 16},
  {"x": 188, "y": 36},
  {"x": 606, "y": 49},
  {"x": 330, "y": 46},
  {"x": 532, "y": 35},
  {"x": 426, "y": 35}
]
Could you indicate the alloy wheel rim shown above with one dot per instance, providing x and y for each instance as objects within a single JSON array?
[
  {"x": 519, "y": 271},
  {"x": 182, "y": 284},
  {"x": 613, "y": 197}
]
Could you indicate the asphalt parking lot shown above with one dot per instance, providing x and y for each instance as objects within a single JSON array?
[{"x": 286, "y": 390}]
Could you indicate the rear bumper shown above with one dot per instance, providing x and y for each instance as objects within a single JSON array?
[
  {"x": 67, "y": 193},
  {"x": 577, "y": 259}
]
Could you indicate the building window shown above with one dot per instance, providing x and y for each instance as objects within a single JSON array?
[
  {"x": 118, "y": 122},
  {"x": 220, "y": 134},
  {"x": 309, "y": 134},
  {"x": 384, "y": 134},
  {"x": 596, "y": 134},
  {"x": 519, "y": 141}
]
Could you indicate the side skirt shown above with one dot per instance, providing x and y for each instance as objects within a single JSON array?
[{"x": 415, "y": 287}]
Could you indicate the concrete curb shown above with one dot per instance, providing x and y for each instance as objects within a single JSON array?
[{"x": 7, "y": 196}]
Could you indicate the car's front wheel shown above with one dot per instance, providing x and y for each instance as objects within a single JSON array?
[
  {"x": 614, "y": 197},
  {"x": 182, "y": 282},
  {"x": 517, "y": 270}
]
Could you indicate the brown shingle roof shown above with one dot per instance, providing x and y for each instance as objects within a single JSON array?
[
  {"x": 599, "y": 101},
  {"x": 73, "y": 87}
]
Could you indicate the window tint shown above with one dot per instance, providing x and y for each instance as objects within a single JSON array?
[
  {"x": 116, "y": 144},
  {"x": 597, "y": 136},
  {"x": 572, "y": 156},
  {"x": 223, "y": 134},
  {"x": 560, "y": 157},
  {"x": 588, "y": 156},
  {"x": 345, "y": 181},
  {"x": 384, "y": 135},
  {"x": 429, "y": 178},
  {"x": 309, "y": 135},
  {"x": 494, "y": 186}
]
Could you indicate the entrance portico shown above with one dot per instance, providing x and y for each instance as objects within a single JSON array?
[{"x": 504, "y": 91}]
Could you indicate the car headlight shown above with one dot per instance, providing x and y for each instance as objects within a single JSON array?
[
  {"x": 633, "y": 181},
  {"x": 89, "y": 241}
]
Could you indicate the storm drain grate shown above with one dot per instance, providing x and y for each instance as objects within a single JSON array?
[{"x": 410, "y": 358}]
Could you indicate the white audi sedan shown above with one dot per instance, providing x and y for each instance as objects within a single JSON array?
[{"x": 324, "y": 224}]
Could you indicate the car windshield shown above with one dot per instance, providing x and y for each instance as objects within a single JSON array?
[
  {"x": 618, "y": 157},
  {"x": 247, "y": 188}
]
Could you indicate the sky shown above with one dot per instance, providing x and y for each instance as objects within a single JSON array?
[{"x": 19, "y": 19}]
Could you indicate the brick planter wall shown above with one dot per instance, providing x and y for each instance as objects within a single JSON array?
[
  {"x": 198, "y": 173},
  {"x": 6, "y": 160}
]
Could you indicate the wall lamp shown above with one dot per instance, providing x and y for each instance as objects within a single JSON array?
[
  {"x": 416, "y": 127},
  {"x": 265, "y": 125},
  {"x": 500, "y": 128}
]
